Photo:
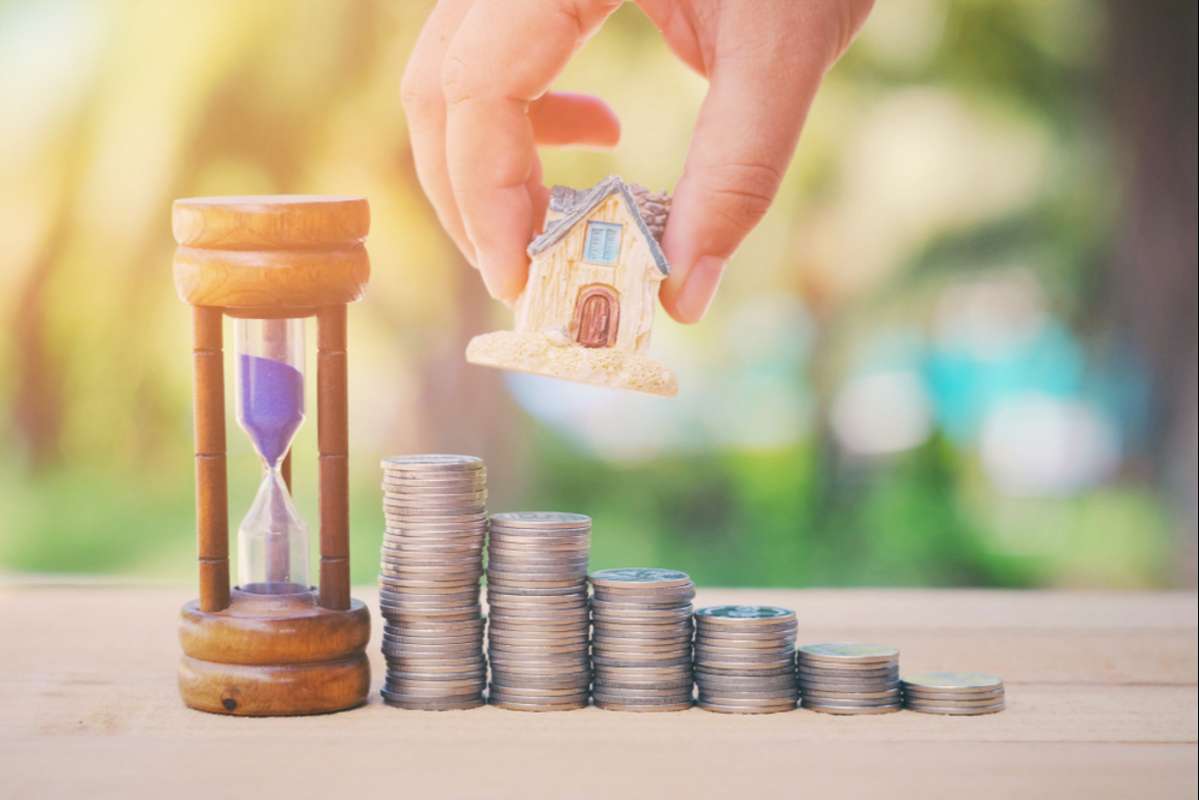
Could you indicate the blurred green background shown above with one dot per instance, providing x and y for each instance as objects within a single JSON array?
[{"x": 960, "y": 350}]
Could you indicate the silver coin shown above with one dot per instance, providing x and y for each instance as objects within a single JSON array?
[
  {"x": 743, "y": 644},
  {"x": 428, "y": 461},
  {"x": 615, "y": 680},
  {"x": 810, "y": 688},
  {"x": 619, "y": 698},
  {"x": 748, "y": 614},
  {"x": 963, "y": 711},
  {"x": 637, "y": 708},
  {"x": 541, "y": 548},
  {"x": 707, "y": 669},
  {"x": 666, "y": 612},
  {"x": 848, "y": 652},
  {"x": 952, "y": 681},
  {"x": 735, "y": 709},
  {"x": 540, "y": 519},
  {"x": 819, "y": 694},
  {"x": 640, "y": 576},
  {"x": 646, "y": 650},
  {"x": 848, "y": 674},
  {"x": 846, "y": 702},
  {"x": 950, "y": 697},
  {"x": 850, "y": 710},
  {"x": 605, "y": 637},
  {"x": 499, "y": 697},
  {"x": 514, "y": 706},
  {"x": 964, "y": 702},
  {"x": 518, "y": 679}
]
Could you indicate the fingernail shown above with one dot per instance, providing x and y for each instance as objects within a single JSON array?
[{"x": 699, "y": 288}]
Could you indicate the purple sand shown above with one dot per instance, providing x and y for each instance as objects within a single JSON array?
[{"x": 272, "y": 404}]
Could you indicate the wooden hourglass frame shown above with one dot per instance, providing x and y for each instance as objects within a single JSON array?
[{"x": 272, "y": 257}]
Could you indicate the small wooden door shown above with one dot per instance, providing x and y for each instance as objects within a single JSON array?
[{"x": 596, "y": 316}]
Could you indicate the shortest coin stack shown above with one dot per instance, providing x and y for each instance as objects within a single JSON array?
[
  {"x": 538, "y": 620},
  {"x": 958, "y": 693},
  {"x": 745, "y": 659},
  {"x": 849, "y": 678},
  {"x": 641, "y": 640}
]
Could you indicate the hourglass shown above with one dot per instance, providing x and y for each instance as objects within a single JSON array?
[{"x": 272, "y": 644}]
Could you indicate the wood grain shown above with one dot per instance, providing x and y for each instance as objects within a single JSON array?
[
  {"x": 263, "y": 283},
  {"x": 1101, "y": 687},
  {"x": 269, "y": 222},
  {"x": 274, "y": 655},
  {"x": 212, "y": 496},
  {"x": 332, "y": 433}
]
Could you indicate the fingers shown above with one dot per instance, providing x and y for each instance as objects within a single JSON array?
[
  {"x": 424, "y": 107},
  {"x": 503, "y": 56},
  {"x": 763, "y": 79},
  {"x": 562, "y": 118},
  {"x": 743, "y": 141}
]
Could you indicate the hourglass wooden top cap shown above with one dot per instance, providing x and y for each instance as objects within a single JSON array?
[
  {"x": 272, "y": 255},
  {"x": 270, "y": 222}
]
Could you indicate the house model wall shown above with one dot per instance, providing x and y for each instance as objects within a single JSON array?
[
  {"x": 588, "y": 307},
  {"x": 584, "y": 289}
]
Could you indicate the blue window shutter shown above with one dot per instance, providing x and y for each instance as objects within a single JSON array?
[
  {"x": 612, "y": 245},
  {"x": 602, "y": 245}
]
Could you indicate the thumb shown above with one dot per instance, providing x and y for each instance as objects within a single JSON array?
[{"x": 744, "y": 138}]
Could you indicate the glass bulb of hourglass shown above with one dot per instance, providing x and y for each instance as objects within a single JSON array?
[{"x": 272, "y": 540}]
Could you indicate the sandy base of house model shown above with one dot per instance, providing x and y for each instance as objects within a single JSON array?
[{"x": 535, "y": 353}]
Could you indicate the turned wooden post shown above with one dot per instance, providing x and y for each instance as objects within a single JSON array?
[
  {"x": 212, "y": 495},
  {"x": 333, "y": 442}
]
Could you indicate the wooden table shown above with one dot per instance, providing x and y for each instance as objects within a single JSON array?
[{"x": 1101, "y": 694}]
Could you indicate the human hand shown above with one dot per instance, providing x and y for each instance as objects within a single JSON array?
[{"x": 476, "y": 92}]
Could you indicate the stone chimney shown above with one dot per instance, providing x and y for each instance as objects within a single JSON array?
[{"x": 654, "y": 208}]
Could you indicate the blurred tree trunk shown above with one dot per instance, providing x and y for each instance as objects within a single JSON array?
[
  {"x": 466, "y": 408},
  {"x": 1153, "y": 279}
]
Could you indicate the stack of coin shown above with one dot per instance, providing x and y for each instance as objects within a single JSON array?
[
  {"x": 848, "y": 678},
  {"x": 745, "y": 659},
  {"x": 960, "y": 693},
  {"x": 538, "y": 623},
  {"x": 432, "y": 559},
  {"x": 641, "y": 639}
]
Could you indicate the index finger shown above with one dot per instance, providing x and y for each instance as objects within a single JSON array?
[{"x": 504, "y": 55}]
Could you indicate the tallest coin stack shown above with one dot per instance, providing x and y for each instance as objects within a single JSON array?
[{"x": 431, "y": 563}]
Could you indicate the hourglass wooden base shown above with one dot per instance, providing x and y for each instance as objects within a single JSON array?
[{"x": 274, "y": 655}]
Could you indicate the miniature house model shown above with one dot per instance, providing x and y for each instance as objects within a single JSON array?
[{"x": 587, "y": 310}]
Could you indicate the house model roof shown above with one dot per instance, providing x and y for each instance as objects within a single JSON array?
[{"x": 647, "y": 210}]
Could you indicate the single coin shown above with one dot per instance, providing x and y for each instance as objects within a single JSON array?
[
  {"x": 641, "y": 576},
  {"x": 510, "y": 680},
  {"x": 846, "y": 689},
  {"x": 637, "y": 708},
  {"x": 952, "y": 697},
  {"x": 839, "y": 702},
  {"x": 848, "y": 668},
  {"x": 740, "y": 613},
  {"x": 851, "y": 652},
  {"x": 751, "y": 682},
  {"x": 640, "y": 698},
  {"x": 964, "y": 702},
  {"x": 540, "y": 519},
  {"x": 850, "y": 710},
  {"x": 430, "y": 461},
  {"x": 514, "y": 706},
  {"x": 962, "y": 711},
  {"x": 824, "y": 694},
  {"x": 615, "y": 681},
  {"x": 952, "y": 681},
  {"x": 724, "y": 708}
]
